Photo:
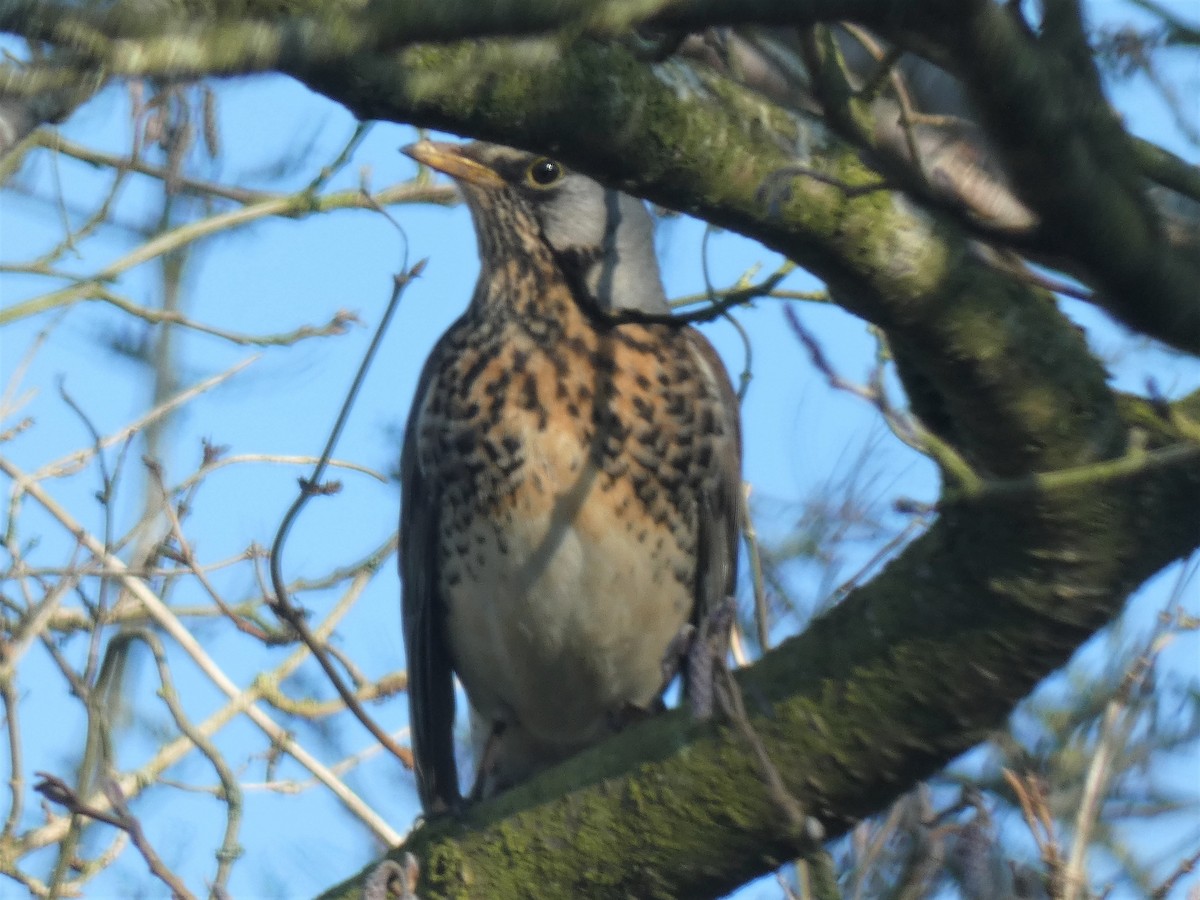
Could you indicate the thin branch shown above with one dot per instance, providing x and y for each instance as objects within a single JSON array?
[
  {"x": 296, "y": 205},
  {"x": 188, "y": 558},
  {"x": 1031, "y": 796},
  {"x": 174, "y": 751},
  {"x": 272, "y": 459},
  {"x": 108, "y": 484},
  {"x": 35, "y": 621},
  {"x": 16, "y": 777},
  {"x": 338, "y": 324},
  {"x": 1135, "y": 461},
  {"x": 282, "y": 604},
  {"x": 380, "y": 688},
  {"x": 1185, "y": 867},
  {"x": 58, "y": 791},
  {"x": 906, "y": 428},
  {"x": 762, "y": 613},
  {"x": 72, "y": 462},
  {"x": 341, "y": 766},
  {"x": 231, "y": 793},
  {"x": 54, "y": 141},
  {"x": 169, "y": 622}
]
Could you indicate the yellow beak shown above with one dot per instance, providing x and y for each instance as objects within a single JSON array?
[{"x": 449, "y": 158}]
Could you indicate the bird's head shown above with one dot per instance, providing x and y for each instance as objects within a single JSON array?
[{"x": 602, "y": 239}]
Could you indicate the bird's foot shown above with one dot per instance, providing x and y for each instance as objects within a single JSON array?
[
  {"x": 631, "y": 713},
  {"x": 695, "y": 652},
  {"x": 442, "y": 809},
  {"x": 486, "y": 766},
  {"x": 706, "y": 653},
  {"x": 675, "y": 655}
]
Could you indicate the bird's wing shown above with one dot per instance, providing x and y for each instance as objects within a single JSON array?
[
  {"x": 430, "y": 674},
  {"x": 720, "y": 501}
]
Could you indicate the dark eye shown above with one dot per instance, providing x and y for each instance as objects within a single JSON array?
[{"x": 543, "y": 172}]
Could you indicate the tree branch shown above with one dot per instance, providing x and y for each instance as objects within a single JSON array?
[
  {"x": 960, "y": 627},
  {"x": 1067, "y": 154},
  {"x": 1071, "y": 160}
]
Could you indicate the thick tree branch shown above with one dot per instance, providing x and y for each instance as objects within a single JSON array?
[
  {"x": 1143, "y": 278},
  {"x": 895, "y": 266},
  {"x": 913, "y": 668},
  {"x": 905, "y": 674},
  {"x": 1071, "y": 160},
  {"x": 319, "y": 31},
  {"x": 1068, "y": 157}
]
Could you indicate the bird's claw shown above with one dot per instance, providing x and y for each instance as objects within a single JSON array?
[
  {"x": 707, "y": 651},
  {"x": 677, "y": 651},
  {"x": 487, "y": 764}
]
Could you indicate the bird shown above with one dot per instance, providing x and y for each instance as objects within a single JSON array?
[{"x": 570, "y": 480}]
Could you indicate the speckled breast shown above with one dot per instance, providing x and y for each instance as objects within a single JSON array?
[{"x": 570, "y": 459}]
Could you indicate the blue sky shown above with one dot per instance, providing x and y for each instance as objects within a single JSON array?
[{"x": 280, "y": 274}]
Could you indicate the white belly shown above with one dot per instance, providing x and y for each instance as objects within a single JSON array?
[{"x": 568, "y": 626}]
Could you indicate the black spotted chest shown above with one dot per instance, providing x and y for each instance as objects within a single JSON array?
[{"x": 633, "y": 406}]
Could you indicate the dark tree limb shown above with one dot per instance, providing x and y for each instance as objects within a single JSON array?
[
  {"x": 911, "y": 669},
  {"x": 1072, "y": 161},
  {"x": 908, "y": 672},
  {"x": 1039, "y": 99}
]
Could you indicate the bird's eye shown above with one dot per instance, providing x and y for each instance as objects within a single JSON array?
[{"x": 543, "y": 172}]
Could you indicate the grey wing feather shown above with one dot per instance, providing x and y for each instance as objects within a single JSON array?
[{"x": 430, "y": 673}]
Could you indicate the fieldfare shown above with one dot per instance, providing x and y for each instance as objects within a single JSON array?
[{"x": 571, "y": 475}]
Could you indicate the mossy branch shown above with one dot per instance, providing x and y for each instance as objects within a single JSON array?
[{"x": 961, "y": 626}]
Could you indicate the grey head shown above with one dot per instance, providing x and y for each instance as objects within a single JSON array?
[{"x": 603, "y": 239}]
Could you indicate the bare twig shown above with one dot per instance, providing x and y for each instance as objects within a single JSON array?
[
  {"x": 58, "y": 791},
  {"x": 762, "y": 613},
  {"x": 53, "y": 140},
  {"x": 108, "y": 483},
  {"x": 188, "y": 558},
  {"x": 291, "y": 206},
  {"x": 16, "y": 777},
  {"x": 231, "y": 793},
  {"x": 293, "y": 786},
  {"x": 73, "y": 461},
  {"x": 1185, "y": 867},
  {"x": 1031, "y": 795},
  {"x": 282, "y": 604},
  {"x": 169, "y": 622}
]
